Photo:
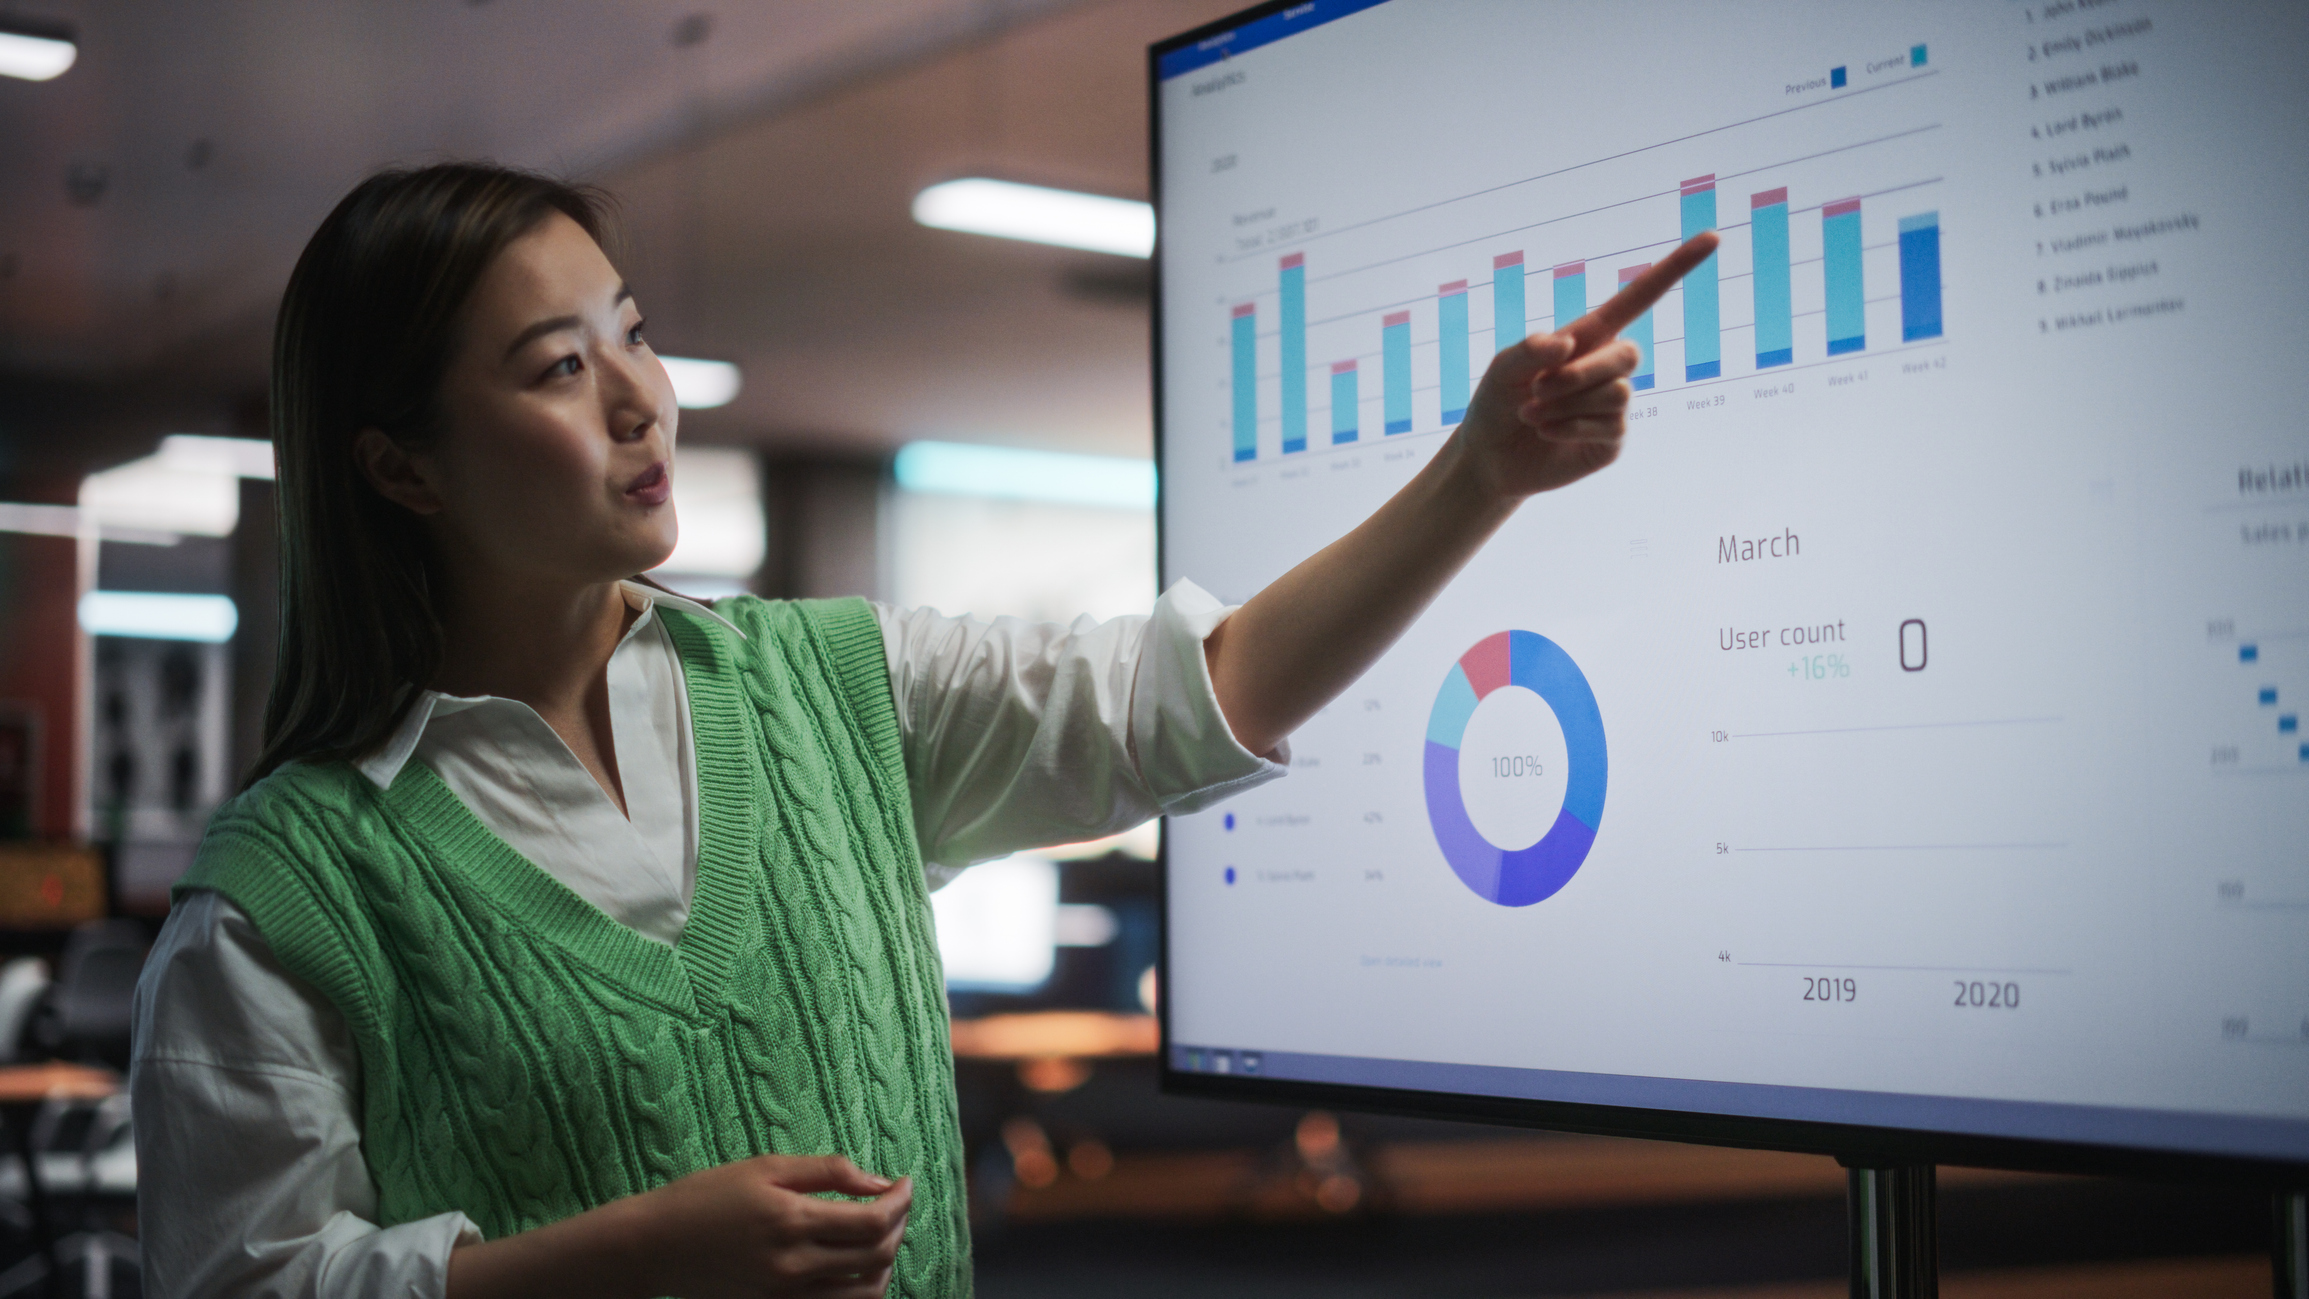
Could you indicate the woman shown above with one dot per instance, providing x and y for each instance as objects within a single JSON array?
[{"x": 571, "y": 937}]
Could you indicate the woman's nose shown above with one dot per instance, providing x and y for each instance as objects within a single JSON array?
[{"x": 631, "y": 401}]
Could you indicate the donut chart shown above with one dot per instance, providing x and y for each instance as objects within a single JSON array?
[{"x": 1523, "y": 876}]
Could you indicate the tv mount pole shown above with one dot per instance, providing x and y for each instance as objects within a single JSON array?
[
  {"x": 2289, "y": 1252},
  {"x": 1895, "y": 1232}
]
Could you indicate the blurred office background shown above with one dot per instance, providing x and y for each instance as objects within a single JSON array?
[{"x": 878, "y": 406}]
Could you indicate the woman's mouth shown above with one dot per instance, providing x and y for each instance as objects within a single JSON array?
[{"x": 652, "y": 487}]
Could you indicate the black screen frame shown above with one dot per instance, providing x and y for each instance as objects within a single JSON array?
[{"x": 1854, "y": 1144}]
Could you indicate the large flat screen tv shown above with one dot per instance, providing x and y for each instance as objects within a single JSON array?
[{"x": 1899, "y": 749}]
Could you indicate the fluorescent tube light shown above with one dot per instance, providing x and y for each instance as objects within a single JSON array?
[
  {"x": 717, "y": 501},
  {"x": 701, "y": 385},
  {"x": 1010, "y": 473},
  {"x": 233, "y": 457},
  {"x": 40, "y": 520},
  {"x": 1045, "y": 216},
  {"x": 35, "y": 51},
  {"x": 153, "y": 615},
  {"x": 71, "y": 521}
]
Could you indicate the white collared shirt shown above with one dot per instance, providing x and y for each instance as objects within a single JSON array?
[{"x": 246, "y": 1081}]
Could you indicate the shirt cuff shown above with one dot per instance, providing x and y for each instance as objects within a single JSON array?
[
  {"x": 1186, "y": 753},
  {"x": 407, "y": 1261}
]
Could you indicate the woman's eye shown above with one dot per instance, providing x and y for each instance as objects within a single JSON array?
[
  {"x": 564, "y": 368},
  {"x": 633, "y": 335}
]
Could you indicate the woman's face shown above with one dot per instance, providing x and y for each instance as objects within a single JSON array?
[{"x": 555, "y": 461}]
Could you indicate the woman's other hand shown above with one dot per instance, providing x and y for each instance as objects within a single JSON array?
[
  {"x": 758, "y": 1228},
  {"x": 746, "y": 1230}
]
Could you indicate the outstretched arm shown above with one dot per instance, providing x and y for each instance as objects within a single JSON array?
[{"x": 1550, "y": 411}]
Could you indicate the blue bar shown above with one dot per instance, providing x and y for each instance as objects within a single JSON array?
[
  {"x": 1507, "y": 319},
  {"x": 1395, "y": 371},
  {"x": 1294, "y": 313},
  {"x": 1252, "y": 35},
  {"x": 2268, "y": 696},
  {"x": 1919, "y": 276},
  {"x": 1639, "y": 333},
  {"x": 1775, "y": 312},
  {"x": 1346, "y": 404},
  {"x": 1451, "y": 346},
  {"x": 1246, "y": 384},
  {"x": 2288, "y": 724},
  {"x": 2248, "y": 653},
  {"x": 1840, "y": 257},
  {"x": 1703, "y": 338},
  {"x": 1836, "y": 78},
  {"x": 1570, "y": 292}
]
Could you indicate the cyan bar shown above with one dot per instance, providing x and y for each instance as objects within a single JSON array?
[
  {"x": 1639, "y": 333},
  {"x": 1395, "y": 370},
  {"x": 1507, "y": 327},
  {"x": 1775, "y": 314},
  {"x": 1451, "y": 347},
  {"x": 1346, "y": 404},
  {"x": 1919, "y": 275},
  {"x": 1570, "y": 292},
  {"x": 1847, "y": 299},
  {"x": 1246, "y": 326},
  {"x": 1294, "y": 314},
  {"x": 1703, "y": 337}
]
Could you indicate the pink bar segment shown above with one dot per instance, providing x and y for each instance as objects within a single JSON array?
[
  {"x": 1507, "y": 259},
  {"x": 1293, "y": 259},
  {"x": 1245, "y": 308},
  {"x": 1840, "y": 207},
  {"x": 1700, "y": 184},
  {"x": 1768, "y": 198},
  {"x": 1566, "y": 270},
  {"x": 1342, "y": 367},
  {"x": 1628, "y": 273},
  {"x": 1446, "y": 290},
  {"x": 1396, "y": 318}
]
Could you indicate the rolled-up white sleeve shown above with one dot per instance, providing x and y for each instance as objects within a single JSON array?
[
  {"x": 245, "y": 1086},
  {"x": 1020, "y": 735}
]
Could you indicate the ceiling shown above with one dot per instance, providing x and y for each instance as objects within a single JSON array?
[{"x": 153, "y": 199}]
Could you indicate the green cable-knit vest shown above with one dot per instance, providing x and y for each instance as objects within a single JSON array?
[{"x": 524, "y": 1057}]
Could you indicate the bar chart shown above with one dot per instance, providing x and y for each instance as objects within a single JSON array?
[
  {"x": 1451, "y": 349},
  {"x": 1775, "y": 319},
  {"x": 1794, "y": 295},
  {"x": 1847, "y": 299},
  {"x": 1345, "y": 409},
  {"x": 1703, "y": 321},
  {"x": 1639, "y": 333},
  {"x": 1396, "y": 330}
]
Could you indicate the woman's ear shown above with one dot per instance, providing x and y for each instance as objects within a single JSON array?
[{"x": 397, "y": 475}]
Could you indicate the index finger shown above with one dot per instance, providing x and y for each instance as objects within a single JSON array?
[{"x": 1603, "y": 324}]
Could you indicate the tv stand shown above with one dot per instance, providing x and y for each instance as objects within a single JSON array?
[
  {"x": 1895, "y": 1232},
  {"x": 2289, "y": 1248}
]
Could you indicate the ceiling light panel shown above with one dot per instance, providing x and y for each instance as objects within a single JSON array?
[
  {"x": 1009, "y": 210},
  {"x": 701, "y": 385},
  {"x": 35, "y": 52}
]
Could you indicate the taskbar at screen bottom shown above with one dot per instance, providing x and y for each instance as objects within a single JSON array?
[{"x": 2273, "y": 1138}]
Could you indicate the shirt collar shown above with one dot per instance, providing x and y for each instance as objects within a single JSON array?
[{"x": 382, "y": 766}]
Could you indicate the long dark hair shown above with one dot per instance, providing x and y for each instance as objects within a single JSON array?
[{"x": 365, "y": 332}]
